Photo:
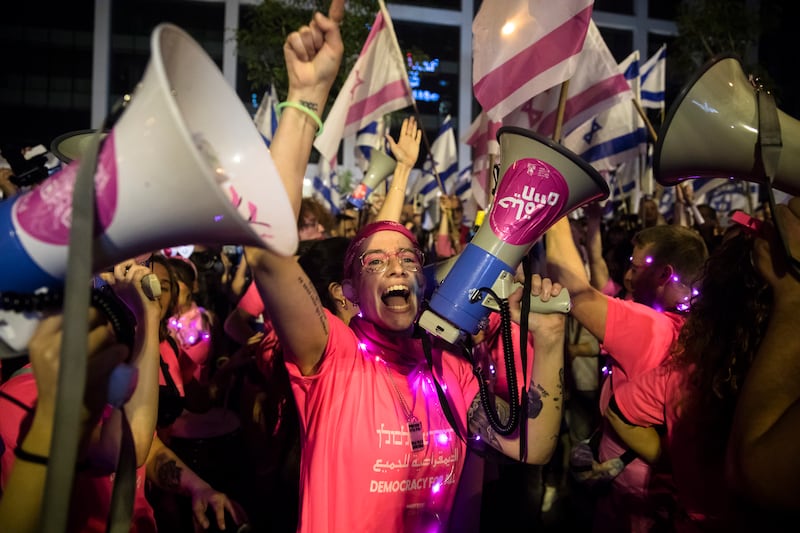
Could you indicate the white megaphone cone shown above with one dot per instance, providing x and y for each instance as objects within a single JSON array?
[
  {"x": 541, "y": 181},
  {"x": 184, "y": 164}
]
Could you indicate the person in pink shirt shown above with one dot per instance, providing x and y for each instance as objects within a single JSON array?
[
  {"x": 637, "y": 335},
  {"x": 694, "y": 393},
  {"x": 27, "y": 411},
  {"x": 381, "y": 449}
]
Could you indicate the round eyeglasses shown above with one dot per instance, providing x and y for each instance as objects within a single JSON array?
[{"x": 377, "y": 261}]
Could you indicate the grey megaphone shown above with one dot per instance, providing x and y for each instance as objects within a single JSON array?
[
  {"x": 720, "y": 125},
  {"x": 380, "y": 166}
]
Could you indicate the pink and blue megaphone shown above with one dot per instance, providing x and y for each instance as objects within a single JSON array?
[
  {"x": 541, "y": 181},
  {"x": 184, "y": 164}
]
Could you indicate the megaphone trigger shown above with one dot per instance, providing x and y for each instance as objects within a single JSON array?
[{"x": 505, "y": 285}]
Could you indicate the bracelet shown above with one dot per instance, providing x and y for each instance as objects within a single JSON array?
[
  {"x": 307, "y": 110},
  {"x": 30, "y": 457}
]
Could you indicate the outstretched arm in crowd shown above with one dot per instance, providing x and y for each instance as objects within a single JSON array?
[
  {"x": 313, "y": 55},
  {"x": 168, "y": 472},
  {"x": 564, "y": 263},
  {"x": 406, "y": 152},
  {"x": 762, "y": 453}
]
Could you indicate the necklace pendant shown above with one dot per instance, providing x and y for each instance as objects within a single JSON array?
[{"x": 415, "y": 434}]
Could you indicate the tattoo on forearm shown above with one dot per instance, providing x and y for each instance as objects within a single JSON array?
[
  {"x": 169, "y": 475},
  {"x": 479, "y": 422},
  {"x": 535, "y": 403},
  {"x": 310, "y": 105}
]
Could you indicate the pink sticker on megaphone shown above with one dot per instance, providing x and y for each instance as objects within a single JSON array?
[
  {"x": 46, "y": 211},
  {"x": 530, "y": 198}
]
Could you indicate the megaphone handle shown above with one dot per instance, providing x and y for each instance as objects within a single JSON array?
[{"x": 151, "y": 286}]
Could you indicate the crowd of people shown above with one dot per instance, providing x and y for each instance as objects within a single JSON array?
[{"x": 299, "y": 393}]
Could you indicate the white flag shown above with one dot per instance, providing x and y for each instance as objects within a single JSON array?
[
  {"x": 482, "y": 137},
  {"x": 523, "y": 47},
  {"x": 443, "y": 157},
  {"x": 326, "y": 187},
  {"x": 266, "y": 117},
  {"x": 654, "y": 74},
  {"x": 378, "y": 84},
  {"x": 617, "y": 134},
  {"x": 596, "y": 86}
]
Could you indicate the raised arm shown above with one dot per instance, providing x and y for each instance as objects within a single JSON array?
[
  {"x": 406, "y": 152},
  {"x": 141, "y": 409},
  {"x": 313, "y": 55},
  {"x": 564, "y": 263},
  {"x": 762, "y": 456},
  {"x": 545, "y": 390},
  {"x": 598, "y": 268}
]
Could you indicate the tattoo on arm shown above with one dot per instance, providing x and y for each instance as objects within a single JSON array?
[
  {"x": 535, "y": 403},
  {"x": 479, "y": 424},
  {"x": 312, "y": 293},
  {"x": 310, "y": 105},
  {"x": 169, "y": 475}
]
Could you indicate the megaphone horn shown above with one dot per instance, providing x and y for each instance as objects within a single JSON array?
[
  {"x": 183, "y": 164},
  {"x": 717, "y": 127},
  {"x": 380, "y": 167},
  {"x": 541, "y": 181}
]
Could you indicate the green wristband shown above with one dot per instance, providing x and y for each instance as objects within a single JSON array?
[{"x": 307, "y": 110}]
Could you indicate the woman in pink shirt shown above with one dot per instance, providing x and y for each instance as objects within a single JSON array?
[{"x": 379, "y": 450}]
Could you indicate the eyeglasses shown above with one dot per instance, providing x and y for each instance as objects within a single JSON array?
[{"x": 377, "y": 261}]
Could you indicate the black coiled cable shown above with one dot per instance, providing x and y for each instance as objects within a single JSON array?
[
  {"x": 104, "y": 300},
  {"x": 511, "y": 373}
]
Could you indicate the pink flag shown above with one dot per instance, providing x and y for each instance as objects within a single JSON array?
[
  {"x": 482, "y": 137},
  {"x": 523, "y": 47},
  {"x": 597, "y": 85},
  {"x": 378, "y": 84}
]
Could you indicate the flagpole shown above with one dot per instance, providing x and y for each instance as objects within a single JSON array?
[
  {"x": 647, "y": 122},
  {"x": 562, "y": 104}
]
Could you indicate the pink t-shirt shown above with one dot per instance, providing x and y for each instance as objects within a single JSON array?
[
  {"x": 358, "y": 471},
  {"x": 637, "y": 339},
  {"x": 91, "y": 499},
  {"x": 653, "y": 398},
  {"x": 171, "y": 358},
  {"x": 251, "y": 301}
]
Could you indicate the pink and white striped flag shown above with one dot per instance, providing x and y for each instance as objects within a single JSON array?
[
  {"x": 482, "y": 137},
  {"x": 378, "y": 84},
  {"x": 521, "y": 48},
  {"x": 596, "y": 86}
]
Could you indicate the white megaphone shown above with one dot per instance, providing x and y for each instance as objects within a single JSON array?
[
  {"x": 380, "y": 167},
  {"x": 184, "y": 163},
  {"x": 719, "y": 126},
  {"x": 541, "y": 181}
]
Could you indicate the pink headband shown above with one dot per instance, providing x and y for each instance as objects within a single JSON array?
[{"x": 351, "y": 257}]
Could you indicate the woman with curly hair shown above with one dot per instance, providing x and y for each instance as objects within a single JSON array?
[{"x": 693, "y": 394}]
